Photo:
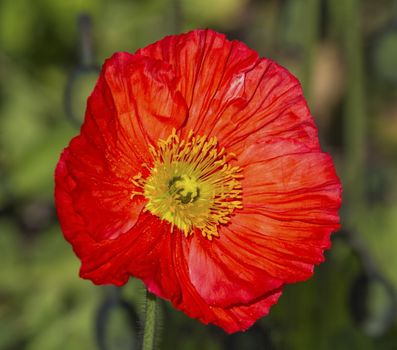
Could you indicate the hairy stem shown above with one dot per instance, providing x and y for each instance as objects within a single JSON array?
[{"x": 150, "y": 322}]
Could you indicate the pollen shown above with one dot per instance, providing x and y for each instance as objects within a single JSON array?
[{"x": 191, "y": 184}]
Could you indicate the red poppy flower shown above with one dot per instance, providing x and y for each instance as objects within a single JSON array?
[{"x": 198, "y": 170}]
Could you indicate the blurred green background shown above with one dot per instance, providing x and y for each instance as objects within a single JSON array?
[{"x": 344, "y": 52}]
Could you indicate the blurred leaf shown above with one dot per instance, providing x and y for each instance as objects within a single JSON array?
[
  {"x": 379, "y": 229},
  {"x": 33, "y": 175},
  {"x": 385, "y": 55},
  {"x": 225, "y": 13},
  {"x": 15, "y": 34}
]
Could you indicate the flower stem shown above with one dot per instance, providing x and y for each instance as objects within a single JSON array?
[{"x": 150, "y": 322}]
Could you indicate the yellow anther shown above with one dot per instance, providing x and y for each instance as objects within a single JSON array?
[{"x": 191, "y": 184}]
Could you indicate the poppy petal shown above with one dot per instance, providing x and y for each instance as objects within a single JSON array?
[
  {"x": 108, "y": 261},
  {"x": 215, "y": 268},
  {"x": 232, "y": 93},
  {"x": 290, "y": 209},
  {"x": 201, "y": 60},
  {"x": 172, "y": 280},
  {"x": 99, "y": 198},
  {"x": 145, "y": 96}
]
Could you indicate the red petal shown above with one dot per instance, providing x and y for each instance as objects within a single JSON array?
[
  {"x": 291, "y": 205},
  {"x": 112, "y": 148},
  {"x": 86, "y": 190},
  {"x": 108, "y": 260},
  {"x": 302, "y": 184},
  {"x": 231, "y": 93},
  {"x": 145, "y": 96},
  {"x": 270, "y": 105},
  {"x": 172, "y": 280},
  {"x": 135, "y": 253},
  {"x": 291, "y": 200},
  {"x": 240, "y": 318},
  {"x": 217, "y": 267},
  {"x": 200, "y": 59}
]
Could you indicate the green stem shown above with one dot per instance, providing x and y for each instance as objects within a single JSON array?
[{"x": 150, "y": 322}]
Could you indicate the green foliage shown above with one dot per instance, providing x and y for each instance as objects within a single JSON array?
[{"x": 44, "y": 305}]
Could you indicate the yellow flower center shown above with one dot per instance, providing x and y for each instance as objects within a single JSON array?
[{"x": 191, "y": 184}]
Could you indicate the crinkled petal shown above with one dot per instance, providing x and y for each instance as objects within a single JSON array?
[
  {"x": 232, "y": 93},
  {"x": 291, "y": 198},
  {"x": 133, "y": 104},
  {"x": 173, "y": 281},
  {"x": 147, "y": 102},
  {"x": 101, "y": 200},
  {"x": 217, "y": 267},
  {"x": 109, "y": 261}
]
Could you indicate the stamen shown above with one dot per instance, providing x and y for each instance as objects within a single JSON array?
[{"x": 191, "y": 184}]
